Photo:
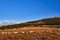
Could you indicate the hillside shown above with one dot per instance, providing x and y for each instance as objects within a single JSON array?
[
  {"x": 30, "y": 33},
  {"x": 48, "y": 22},
  {"x": 52, "y": 21},
  {"x": 45, "y": 29}
]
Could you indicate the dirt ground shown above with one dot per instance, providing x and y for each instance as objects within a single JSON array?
[{"x": 30, "y": 33}]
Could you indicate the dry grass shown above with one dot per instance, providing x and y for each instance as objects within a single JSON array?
[{"x": 30, "y": 33}]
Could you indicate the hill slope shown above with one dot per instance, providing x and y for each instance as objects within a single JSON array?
[
  {"x": 48, "y": 22},
  {"x": 30, "y": 33},
  {"x": 34, "y": 30}
]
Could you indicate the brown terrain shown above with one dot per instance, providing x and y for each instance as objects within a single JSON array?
[
  {"x": 30, "y": 33},
  {"x": 45, "y": 29}
]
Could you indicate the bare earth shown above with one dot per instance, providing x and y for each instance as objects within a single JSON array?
[{"x": 30, "y": 33}]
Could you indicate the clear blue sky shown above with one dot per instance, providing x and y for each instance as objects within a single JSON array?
[{"x": 28, "y": 9}]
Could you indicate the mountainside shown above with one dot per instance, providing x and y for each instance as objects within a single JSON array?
[
  {"x": 45, "y": 29},
  {"x": 48, "y": 22},
  {"x": 52, "y": 21}
]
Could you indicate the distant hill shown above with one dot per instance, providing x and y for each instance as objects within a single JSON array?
[
  {"x": 47, "y": 21},
  {"x": 37, "y": 23},
  {"x": 51, "y": 21}
]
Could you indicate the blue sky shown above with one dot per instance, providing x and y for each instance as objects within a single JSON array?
[{"x": 26, "y": 10}]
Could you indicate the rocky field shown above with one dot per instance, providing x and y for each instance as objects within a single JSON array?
[{"x": 30, "y": 33}]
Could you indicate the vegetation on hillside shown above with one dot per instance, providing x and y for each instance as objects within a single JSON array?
[{"x": 38, "y": 23}]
